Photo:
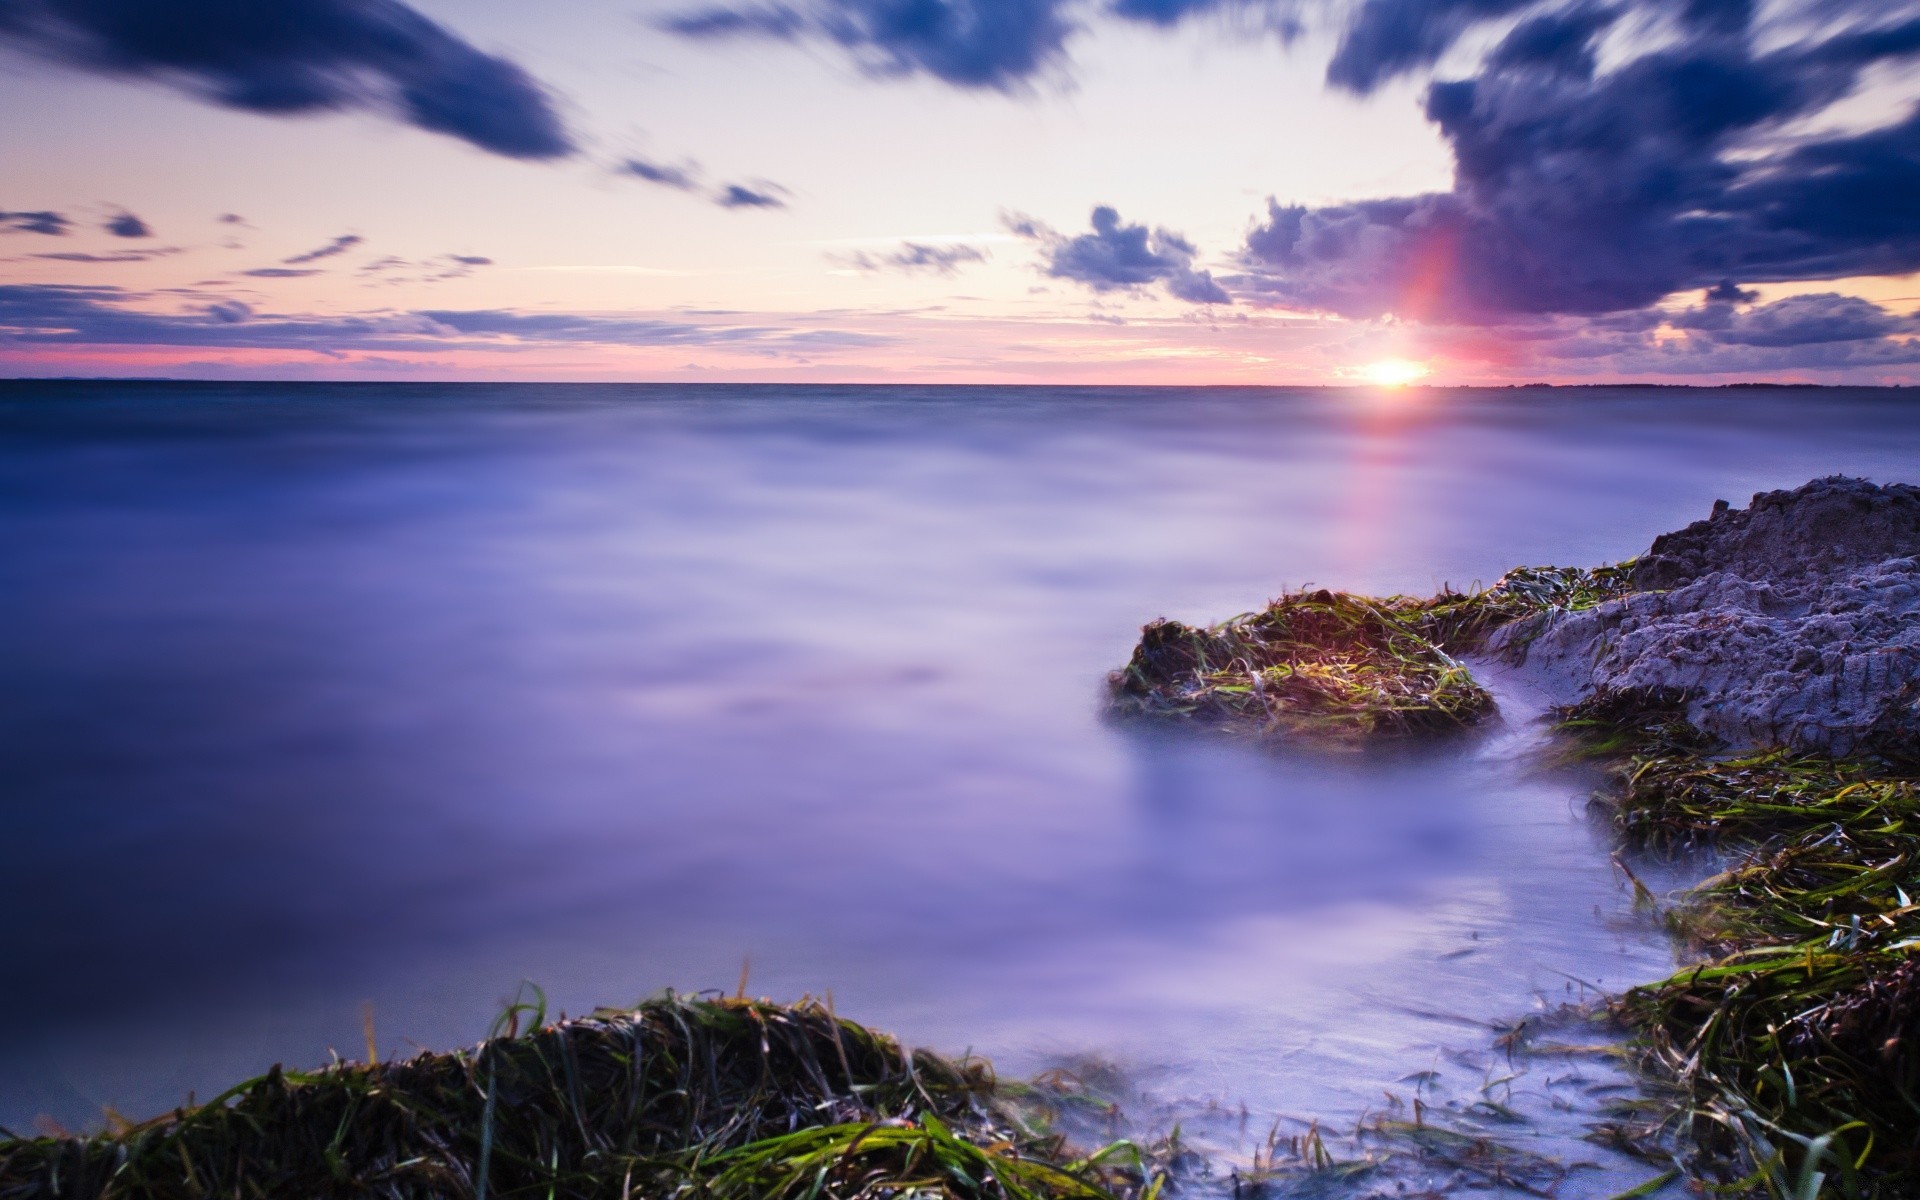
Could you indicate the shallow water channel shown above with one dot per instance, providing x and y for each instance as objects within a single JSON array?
[{"x": 319, "y": 698}]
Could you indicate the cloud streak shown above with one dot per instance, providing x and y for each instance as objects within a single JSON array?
[
  {"x": 914, "y": 258},
  {"x": 759, "y": 194},
  {"x": 685, "y": 177},
  {"x": 51, "y": 224},
  {"x": 339, "y": 245},
  {"x": 292, "y": 57},
  {"x": 997, "y": 44},
  {"x": 61, "y": 314}
]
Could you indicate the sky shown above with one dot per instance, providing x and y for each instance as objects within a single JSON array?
[{"x": 962, "y": 191}]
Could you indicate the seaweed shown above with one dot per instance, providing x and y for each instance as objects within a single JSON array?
[
  {"x": 1339, "y": 671},
  {"x": 1329, "y": 668},
  {"x": 721, "y": 1098},
  {"x": 1795, "y": 1040}
]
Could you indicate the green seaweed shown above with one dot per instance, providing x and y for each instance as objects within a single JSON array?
[
  {"x": 728, "y": 1099},
  {"x": 1336, "y": 670},
  {"x": 1795, "y": 1040}
]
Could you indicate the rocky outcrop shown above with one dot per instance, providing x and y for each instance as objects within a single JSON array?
[{"x": 1794, "y": 621}]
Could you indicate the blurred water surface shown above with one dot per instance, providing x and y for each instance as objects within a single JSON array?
[{"x": 319, "y": 695}]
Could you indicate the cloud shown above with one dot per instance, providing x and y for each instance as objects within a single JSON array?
[
  {"x": 395, "y": 270},
  {"x": 685, "y": 177},
  {"x": 232, "y": 219},
  {"x": 301, "y": 56},
  {"x": 1386, "y": 38},
  {"x": 116, "y": 256},
  {"x": 1796, "y": 321},
  {"x": 1120, "y": 257},
  {"x": 44, "y": 314},
  {"x": 915, "y": 258},
  {"x": 339, "y": 245},
  {"x": 283, "y": 272},
  {"x": 1583, "y": 190},
  {"x": 999, "y": 44},
  {"x": 760, "y": 194},
  {"x": 50, "y": 223},
  {"x": 126, "y": 225}
]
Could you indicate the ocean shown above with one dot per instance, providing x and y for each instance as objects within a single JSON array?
[{"x": 326, "y": 703}]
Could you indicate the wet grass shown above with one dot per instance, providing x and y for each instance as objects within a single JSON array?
[
  {"x": 1339, "y": 671},
  {"x": 721, "y": 1099},
  {"x": 1325, "y": 668},
  {"x": 1796, "y": 1038}
]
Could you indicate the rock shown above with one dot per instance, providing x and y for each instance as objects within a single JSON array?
[{"x": 1794, "y": 621}]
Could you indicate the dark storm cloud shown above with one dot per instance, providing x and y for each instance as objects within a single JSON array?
[
  {"x": 1390, "y": 37},
  {"x": 758, "y": 195},
  {"x": 126, "y": 225},
  {"x": 913, "y": 258},
  {"x": 49, "y": 223},
  {"x": 339, "y": 245},
  {"x": 73, "y": 315},
  {"x": 301, "y": 56},
  {"x": 1121, "y": 257},
  {"x": 969, "y": 43},
  {"x": 1579, "y": 191},
  {"x": 685, "y": 177}
]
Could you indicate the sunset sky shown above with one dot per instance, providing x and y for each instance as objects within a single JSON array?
[{"x": 1116, "y": 191}]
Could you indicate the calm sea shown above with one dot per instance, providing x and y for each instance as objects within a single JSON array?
[{"x": 316, "y": 697}]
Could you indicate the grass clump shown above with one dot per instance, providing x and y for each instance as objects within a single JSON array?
[
  {"x": 1322, "y": 667},
  {"x": 1338, "y": 670},
  {"x": 721, "y": 1099},
  {"x": 1461, "y": 621},
  {"x": 1796, "y": 1039}
]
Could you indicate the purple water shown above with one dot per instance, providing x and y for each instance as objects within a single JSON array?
[{"x": 316, "y": 696}]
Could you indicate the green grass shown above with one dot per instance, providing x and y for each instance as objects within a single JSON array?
[
  {"x": 1321, "y": 667},
  {"x": 722, "y": 1099},
  {"x": 1339, "y": 671},
  {"x": 1796, "y": 1039}
]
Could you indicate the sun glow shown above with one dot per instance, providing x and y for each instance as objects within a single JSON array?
[{"x": 1394, "y": 372}]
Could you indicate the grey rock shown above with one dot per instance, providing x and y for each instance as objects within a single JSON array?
[{"x": 1794, "y": 621}]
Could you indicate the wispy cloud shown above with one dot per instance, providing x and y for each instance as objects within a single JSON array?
[
  {"x": 685, "y": 177},
  {"x": 759, "y": 194},
  {"x": 115, "y": 256},
  {"x": 111, "y": 316},
  {"x": 339, "y": 245},
  {"x": 52, "y": 224},
  {"x": 393, "y": 270},
  {"x": 913, "y": 258}
]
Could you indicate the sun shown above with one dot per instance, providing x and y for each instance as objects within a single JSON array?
[{"x": 1394, "y": 372}]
